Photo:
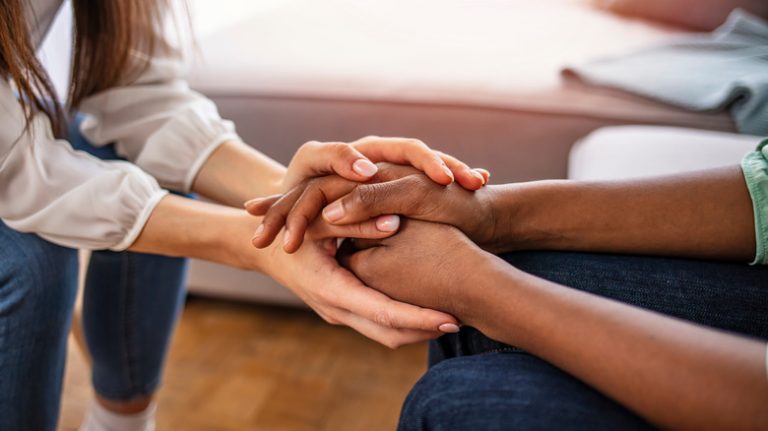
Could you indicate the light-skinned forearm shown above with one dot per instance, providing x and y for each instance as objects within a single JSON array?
[
  {"x": 675, "y": 374},
  {"x": 183, "y": 227},
  {"x": 705, "y": 214},
  {"x": 236, "y": 172}
]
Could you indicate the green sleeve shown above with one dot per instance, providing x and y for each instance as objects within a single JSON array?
[{"x": 755, "y": 168}]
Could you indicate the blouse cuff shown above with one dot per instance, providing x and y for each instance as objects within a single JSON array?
[
  {"x": 175, "y": 153},
  {"x": 755, "y": 169},
  {"x": 141, "y": 221},
  {"x": 203, "y": 157}
]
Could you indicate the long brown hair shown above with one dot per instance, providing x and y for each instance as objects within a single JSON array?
[{"x": 107, "y": 36}]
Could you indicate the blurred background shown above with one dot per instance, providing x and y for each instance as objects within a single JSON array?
[{"x": 480, "y": 79}]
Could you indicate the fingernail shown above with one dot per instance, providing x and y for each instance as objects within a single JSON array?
[
  {"x": 365, "y": 168},
  {"x": 259, "y": 231},
  {"x": 388, "y": 223},
  {"x": 448, "y": 172},
  {"x": 333, "y": 212},
  {"x": 449, "y": 328},
  {"x": 286, "y": 237},
  {"x": 251, "y": 202},
  {"x": 479, "y": 176}
]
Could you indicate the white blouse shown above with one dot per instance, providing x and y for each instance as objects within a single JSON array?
[{"x": 70, "y": 198}]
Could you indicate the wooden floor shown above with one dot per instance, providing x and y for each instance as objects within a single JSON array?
[{"x": 246, "y": 367}]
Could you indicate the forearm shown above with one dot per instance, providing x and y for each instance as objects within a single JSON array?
[
  {"x": 183, "y": 227},
  {"x": 675, "y": 374},
  {"x": 705, "y": 214},
  {"x": 236, "y": 172}
]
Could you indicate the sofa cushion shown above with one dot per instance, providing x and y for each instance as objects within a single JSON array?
[
  {"x": 635, "y": 151},
  {"x": 492, "y": 53}
]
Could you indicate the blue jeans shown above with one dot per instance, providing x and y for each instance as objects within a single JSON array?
[
  {"x": 130, "y": 305},
  {"x": 475, "y": 383}
]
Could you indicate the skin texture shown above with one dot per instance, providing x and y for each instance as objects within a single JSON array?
[
  {"x": 675, "y": 374},
  {"x": 393, "y": 190},
  {"x": 236, "y": 173}
]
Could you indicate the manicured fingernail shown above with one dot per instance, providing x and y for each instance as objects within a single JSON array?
[
  {"x": 388, "y": 223},
  {"x": 449, "y": 328},
  {"x": 365, "y": 168},
  {"x": 333, "y": 212},
  {"x": 479, "y": 176},
  {"x": 259, "y": 231},
  {"x": 448, "y": 172}
]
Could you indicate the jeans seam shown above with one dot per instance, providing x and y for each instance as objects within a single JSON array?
[
  {"x": 127, "y": 321},
  {"x": 510, "y": 349}
]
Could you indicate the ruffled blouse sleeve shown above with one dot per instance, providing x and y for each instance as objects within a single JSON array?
[
  {"x": 67, "y": 197},
  {"x": 158, "y": 122}
]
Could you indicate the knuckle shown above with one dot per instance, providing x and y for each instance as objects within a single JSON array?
[
  {"x": 366, "y": 195},
  {"x": 308, "y": 146},
  {"x": 339, "y": 147},
  {"x": 417, "y": 143},
  {"x": 297, "y": 220},
  {"x": 272, "y": 220},
  {"x": 361, "y": 230},
  {"x": 384, "y": 318},
  {"x": 310, "y": 186},
  {"x": 413, "y": 182}
]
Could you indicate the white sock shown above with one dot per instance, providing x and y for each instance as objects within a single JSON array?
[{"x": 100, "y": 419}]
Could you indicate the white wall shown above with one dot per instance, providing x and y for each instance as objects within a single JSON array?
[{"x": 56, "y": 50}]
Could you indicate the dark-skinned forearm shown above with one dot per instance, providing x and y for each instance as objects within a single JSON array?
[
  {"x": 705, "y": 214},
  {"x": 675, "y": 374}
]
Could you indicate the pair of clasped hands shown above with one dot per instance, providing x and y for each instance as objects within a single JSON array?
[{"x": 404, "y": 208}]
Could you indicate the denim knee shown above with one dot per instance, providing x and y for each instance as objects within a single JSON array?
[
  {"x": 36, "y": 276},
  {"x": 509, "y": 391},
  {"x": 38, "y": 285}
]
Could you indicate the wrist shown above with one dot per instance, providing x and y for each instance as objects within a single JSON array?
[
  {"x": 507, "y": 208},
  {"x": 492, "y": 279},
  {"x": 526, "y": 216},
  {"x": 234, "y": 242}
]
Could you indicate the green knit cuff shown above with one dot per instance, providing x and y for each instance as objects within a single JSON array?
[{"x": 755, "y": 168}]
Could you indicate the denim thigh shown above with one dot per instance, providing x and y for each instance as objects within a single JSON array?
[
  {"x": 38, "y": 285},
  {"x": 728, "y": 296},
  {"x": 505, "y": 388},
  {"x": 509, "y": 391},
  {"x": 130, "y": 306}
]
